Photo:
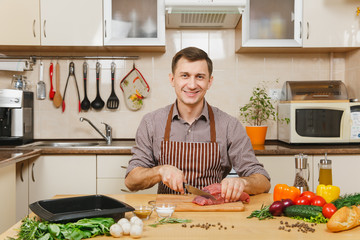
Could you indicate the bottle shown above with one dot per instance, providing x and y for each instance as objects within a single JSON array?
[
  {"x": 325, "y": 171},
  {"x": 302, "y": 173}
]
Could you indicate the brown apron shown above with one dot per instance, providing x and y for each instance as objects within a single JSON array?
[{"x": 199, "y": 161}]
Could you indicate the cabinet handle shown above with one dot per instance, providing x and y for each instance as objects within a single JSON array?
[
  {"x": 124, "y": 167},
  {"x": 44, "y": 28},
  {"x": 308, "y": 30},
  {"x": 105, "y": 30},
  {"x": 32, "y": 172},
  {"x": 300, "y": 30},
  {"x": 127, "y": 191},
  {"x": 34, "y": 28},
  {"x": 21, "y": 173}
]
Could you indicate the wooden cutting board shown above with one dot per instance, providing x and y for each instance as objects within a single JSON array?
[{"x": 184, "y": 204}]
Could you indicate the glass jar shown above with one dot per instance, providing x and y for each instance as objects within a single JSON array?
[
  {"x": 325, "y": 171},
  {"x": 302, "y": 173}
]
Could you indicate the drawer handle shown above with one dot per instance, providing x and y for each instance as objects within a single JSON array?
[
  {"x": 308, "y": 30},
  {"x": 105, "y": 30},
  {"x": 300, "y": 30},
  {"x": 34, "y": 28},
  {"x": 44, "y": 28},
  {"x": 21, "y": 173},
  {"x": 125, "y": 167},
  {"x": 32, "y": 172},
  {"x": 127, "y": 191}
]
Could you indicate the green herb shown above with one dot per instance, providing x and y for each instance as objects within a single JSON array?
[
  {"x": 32, "y": 229},
  {"x": 169, "y": 220},
  {"x": 347, "y": 200},
  {"x": 261, "y": 214}
]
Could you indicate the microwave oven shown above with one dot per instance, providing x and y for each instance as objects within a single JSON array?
[{"x": 319, "y": 122}]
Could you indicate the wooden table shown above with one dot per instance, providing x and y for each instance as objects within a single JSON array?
[{"x": 244, "y": 228}]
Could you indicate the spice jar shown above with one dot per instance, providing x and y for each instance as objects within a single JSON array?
[
  {"x": 325, "y": 171},
  {"x": 302, "y": 173}
]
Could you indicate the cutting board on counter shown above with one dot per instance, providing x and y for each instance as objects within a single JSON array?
[{"x": 184, "y": 204}]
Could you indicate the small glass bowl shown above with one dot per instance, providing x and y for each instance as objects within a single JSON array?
[
  {"x": 165, "y": 210},
  {"x": 143, "y": 212}
]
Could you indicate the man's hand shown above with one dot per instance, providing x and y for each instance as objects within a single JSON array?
[
  {"x": 172, "y": 177},
  {"x": 232, "y": 188}
]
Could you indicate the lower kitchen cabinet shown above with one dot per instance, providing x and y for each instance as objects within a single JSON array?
[
  {"x": 8, "y": 190},
  {"x": 111, "y": 170}
]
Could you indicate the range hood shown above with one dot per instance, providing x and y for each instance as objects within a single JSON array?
[{"x": 203, "y": 13}]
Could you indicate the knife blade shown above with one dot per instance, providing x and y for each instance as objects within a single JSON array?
[{"x": 198, "y": 192}]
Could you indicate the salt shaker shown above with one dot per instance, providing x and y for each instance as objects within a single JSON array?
[
  {"x": 325, "y": 171},
  {"x": 302, "y": 173}
]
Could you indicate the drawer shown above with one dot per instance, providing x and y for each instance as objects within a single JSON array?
[
  {"x": 112, "y": 166},
  {"x": 114, "y": 186}
]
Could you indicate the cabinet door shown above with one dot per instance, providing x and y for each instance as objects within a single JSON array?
[
  {"x": 111, "y": 170},
  {"x": 134, "y": 23},
  {"x": 22, "y": 189},
  {"x": 71, "y": 23},
  {"x": 7, "y": 188},
  {"x": 272, "y": 23},
  {"x": 282, "y": 170},
  {"x": 20, "y": 22},
  {"x": 345, "y": 172},
  {"x": 330, "y": 23},
  {"x": 61, "y": 174}
]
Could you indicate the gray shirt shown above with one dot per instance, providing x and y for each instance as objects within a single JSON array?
[{"x": 235, "y": 147}]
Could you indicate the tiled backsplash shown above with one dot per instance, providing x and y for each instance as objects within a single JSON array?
[{"x": 234, "y": 77}]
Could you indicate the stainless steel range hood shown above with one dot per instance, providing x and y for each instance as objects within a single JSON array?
[{"x": 203, "y": 14}]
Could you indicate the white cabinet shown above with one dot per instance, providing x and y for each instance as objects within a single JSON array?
[
  {"x": 111, "y": 170},
  {"x": 331, "y": 24},
  {"x": 71, "y": 23},
  {"x": 134, "y": 23},
  {"x": 20, "y": 22},
  {"x": 22, "y": 189},
  {"x": 345, "y": 172},
  {"x": 7, "y": 188},
  {"x": 274, "y": 23}
]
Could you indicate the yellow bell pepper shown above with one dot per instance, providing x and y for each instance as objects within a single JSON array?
[{"x": 328, "y": 192}]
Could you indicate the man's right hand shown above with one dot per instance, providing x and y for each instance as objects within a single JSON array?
[{"x": 172, "y": 177}]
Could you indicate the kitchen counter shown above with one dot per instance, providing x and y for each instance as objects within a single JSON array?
[
  {"x": 244, "y": 228},
  {"x": 11, "y": 155}
]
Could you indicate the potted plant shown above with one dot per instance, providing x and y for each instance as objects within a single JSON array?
[{"x": 257, "y": 112}]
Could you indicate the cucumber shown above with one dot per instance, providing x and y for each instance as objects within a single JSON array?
[{"x": 304, "y": 211}]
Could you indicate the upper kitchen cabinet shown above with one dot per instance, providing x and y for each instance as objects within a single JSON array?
[
  {"x": 71, "y": 23},
  {"x": 20, "y": 22},
  {"x": 331, "y": 24},
  {"x": 272, "y": 23},
  {"x": 134, "y": 23}
]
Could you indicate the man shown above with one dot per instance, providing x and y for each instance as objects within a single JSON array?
[{"x": 190, "y": 141}]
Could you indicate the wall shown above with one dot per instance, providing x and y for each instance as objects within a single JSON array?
[
  {"x": 352, "y": 73},
  {"x": 234, "y": 77}
]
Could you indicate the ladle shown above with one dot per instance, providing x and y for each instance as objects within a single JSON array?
[
  {"x": 85, "y": 104},
  {"x": 98, "y": 103}
]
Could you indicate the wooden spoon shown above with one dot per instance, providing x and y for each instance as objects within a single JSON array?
[{"x": 57, "y": 97}]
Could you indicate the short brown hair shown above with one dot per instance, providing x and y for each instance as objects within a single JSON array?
[{"x": 192, "y": 54}]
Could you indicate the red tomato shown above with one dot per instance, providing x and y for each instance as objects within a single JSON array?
[
  {"x": 318, "y": 201},
  {"x": 301, "y": 201},
  {"x": 308, "y": 194},
  {"x": 328, "y": 210}
]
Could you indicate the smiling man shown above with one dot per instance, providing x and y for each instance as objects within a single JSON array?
[{"x": 192, "y": 142}]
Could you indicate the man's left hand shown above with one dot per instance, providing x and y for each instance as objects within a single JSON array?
[{"x": 232, "y": 188}]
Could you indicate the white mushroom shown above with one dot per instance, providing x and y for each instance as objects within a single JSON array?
[
  {"x": 126, "y": 228},
  {"x": 116, "y": 230},
  {"x": 136, "y": 231}
]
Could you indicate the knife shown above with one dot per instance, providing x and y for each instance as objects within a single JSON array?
[{"x": 198, "y": 192}]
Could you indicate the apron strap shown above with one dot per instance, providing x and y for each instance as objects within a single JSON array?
[{"x": 211, "y": 118}]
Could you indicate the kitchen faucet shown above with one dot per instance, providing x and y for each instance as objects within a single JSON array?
[{"x": 108, "y": 130}]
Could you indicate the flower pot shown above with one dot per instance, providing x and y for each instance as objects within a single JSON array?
[{"x": 256, "y": 134}]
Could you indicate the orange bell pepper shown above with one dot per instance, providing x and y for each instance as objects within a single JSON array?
[{"x": 283, "y": 191}]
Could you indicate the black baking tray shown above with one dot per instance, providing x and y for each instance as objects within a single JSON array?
[{"x": 74, "y": 208}]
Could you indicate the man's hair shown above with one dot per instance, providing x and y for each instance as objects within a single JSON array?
[{"x": 192, "y": 54}]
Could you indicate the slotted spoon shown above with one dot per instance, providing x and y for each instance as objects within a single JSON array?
[{"x": 113, "y": 101}]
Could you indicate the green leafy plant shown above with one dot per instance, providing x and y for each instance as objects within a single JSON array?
[{"x": 260, "y": 108}]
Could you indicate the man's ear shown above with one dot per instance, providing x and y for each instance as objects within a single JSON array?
[
  {"x": 210, "y": 82},
  {"x": 171, "y": 79}
]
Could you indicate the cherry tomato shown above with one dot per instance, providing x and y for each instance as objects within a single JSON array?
[
  {"x": 318, "y": 201},
  {"x": 301, "y": 201},
  {"x": 328, "y": 210},
  {"x": 308, "y": 194}
]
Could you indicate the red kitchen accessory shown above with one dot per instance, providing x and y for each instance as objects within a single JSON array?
[
  {"x": 51, "y": 72},
  {"x": 135, "y": 88},
  {"x": 71, "y": 73}
]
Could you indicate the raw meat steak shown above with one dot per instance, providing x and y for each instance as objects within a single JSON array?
[{"x": 215, "y": 190}]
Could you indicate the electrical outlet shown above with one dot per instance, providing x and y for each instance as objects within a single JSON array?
[{"x": 275, "y": 94}]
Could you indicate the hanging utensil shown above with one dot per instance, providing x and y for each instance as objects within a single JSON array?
[
  {"x": 98, "y": 103},
  {"x": 51, "y": 72},
  {"x": 71, "y": 73},
  {"x": 57, "y": 97},
  {"x": 40, "y": 87},
  {"x": 113, "y": 101},
  {"x": 85, "y": 104}
]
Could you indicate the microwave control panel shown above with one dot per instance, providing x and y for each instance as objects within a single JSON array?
[{"x": 355, "y": 119}]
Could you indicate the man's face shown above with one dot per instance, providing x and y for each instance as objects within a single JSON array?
[{"x": 191, "y": 80}]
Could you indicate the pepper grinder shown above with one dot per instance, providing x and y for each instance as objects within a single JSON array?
[
  {"x": 325, "y": 171},
  {"x": 302, "y": 173}
]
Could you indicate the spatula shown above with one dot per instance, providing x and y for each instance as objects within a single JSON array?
[
  {"x": 57, "y": 97},
  {"x": 40, "y": 87},
  {"x": 113, "y": 100}
]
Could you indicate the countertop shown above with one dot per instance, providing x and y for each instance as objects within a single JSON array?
[{"x": 244, "y": 228}]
